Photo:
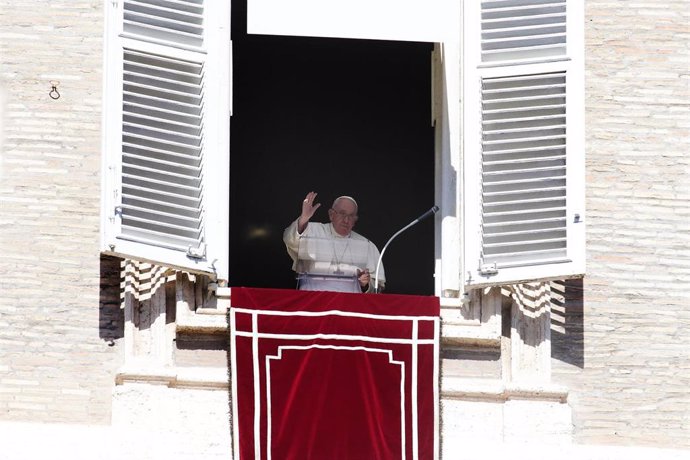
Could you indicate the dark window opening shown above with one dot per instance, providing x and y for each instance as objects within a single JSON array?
[{"x": 338, "y": 117}]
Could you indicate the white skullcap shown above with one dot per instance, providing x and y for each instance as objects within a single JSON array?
[{"x": 345, "y": 197}]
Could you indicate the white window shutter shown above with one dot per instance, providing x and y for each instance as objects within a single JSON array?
[
  {"x": 523, "y": 141},
  {"x": 166, "y": 144}
]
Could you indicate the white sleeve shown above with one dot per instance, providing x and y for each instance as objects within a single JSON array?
[{"x": 291, "y": 239}]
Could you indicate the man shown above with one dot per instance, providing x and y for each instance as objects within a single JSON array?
[{"x": 338, "y": 233}]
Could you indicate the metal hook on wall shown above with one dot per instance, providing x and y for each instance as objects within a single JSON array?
[{"x": 54, "y": 94}]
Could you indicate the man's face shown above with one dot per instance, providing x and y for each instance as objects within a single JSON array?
[{"x": 343, "y": 216}]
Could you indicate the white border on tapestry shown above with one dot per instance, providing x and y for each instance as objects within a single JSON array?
[{"x": 270, "y": 358}]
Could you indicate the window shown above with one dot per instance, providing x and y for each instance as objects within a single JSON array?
[{"x": 508, "y": 110}]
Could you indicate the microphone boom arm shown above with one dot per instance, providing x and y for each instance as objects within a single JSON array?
[{"x": 433, "y": 210}]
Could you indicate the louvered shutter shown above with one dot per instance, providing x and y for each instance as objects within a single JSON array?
[
  {"x": 166, "y": 141},
  {"x": 523, "y": 143}
]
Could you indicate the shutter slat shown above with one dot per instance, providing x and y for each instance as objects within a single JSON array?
[
  {"x": 525, "y": 191},
  {"x": 159, "y": 226},
  {"x": 155, "y": 23},
  {"x": 158, "y": 86},
  {"x": 145, "y": 186},
  {"x": 519, "y": 30},
  {"x": 181, "y": 70},
  {"x": 189, "y": 119},
  {"x": 534, "y": 218},
  {"x": 528, "y": 129},
  {"x": 523, "y": 201},
  {"x": 523, "y": 41},
  {"x": 546, "y": 257},
  {"x": 510, "y": 240},
  {"x": 525, "y": 246},
  {"x": 534, "y": 224},
  {"x": 531, "y": 139},
  {"x": 164, "y": 9},
  {"x": 498, "y": 5},
  {"x": 520, "y": 212},
  {"x": 524, "y": 160},
  {"x": 145, "y": 141},
  {"x": 156, "y": 163},
  {"x": 518, "y": 110},
  {"x": 514, "y": 80},
  {"x": 533, "y": 20},
  {"x": 517, "y": 186},
  {"x": 162, "y": 178},
  {"x": 519, "y": 119},
  {"x": 162, "y": 134},
  {"x": 512, "y": 184},
  {"x": 175, "y": 72},
  {"x": 142, "y": 234},
  {"x": 513, "y": 53},
  {"x": 172, "y": 23},
  {"x": 162, "y": 104},
  {"x": 524, "y": 90},
  {"x": 515, "y": 256},
  {"x": 527, "y": 233},
  {"x": 163, "y": 124},
  {"x": 527, "y": 149},
  {"x": 185, "y": 202},
  {"x": 151, "y": 152},
  {"x": 166, "y": 206},
  {"x": 174, "y": 220},
  {"x": 533, "y": 171},
  {"x": 523, "y": 99},
  {"x": 492, "y": 31}
]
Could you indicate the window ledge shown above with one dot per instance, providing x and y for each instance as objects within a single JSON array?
[
  {"x": 499, "y": 391},
  {"x": 175, "y": 377},
  {"x": 454, "y": 334},
  {"x": 203, "y": 323}
]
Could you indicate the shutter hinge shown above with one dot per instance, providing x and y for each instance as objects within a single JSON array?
[
  {"x": 488, "y": 269},
  {"x": 197, "y": 253},
  {"x": 117, "y": 211}
]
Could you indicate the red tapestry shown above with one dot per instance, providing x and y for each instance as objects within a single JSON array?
[{"x": 326, "y": 375}]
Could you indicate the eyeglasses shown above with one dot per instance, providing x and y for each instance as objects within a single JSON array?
[{"x": 343, "y": 215}]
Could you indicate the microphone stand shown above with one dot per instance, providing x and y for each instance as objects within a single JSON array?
[{"x": 433, "y": 210}]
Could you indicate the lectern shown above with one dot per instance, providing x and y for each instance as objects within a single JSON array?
[
  {"x": 329, "y": 375},
  {"x": 330, "y": 264}
]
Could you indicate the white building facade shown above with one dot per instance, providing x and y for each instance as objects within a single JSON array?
[{"x": 577, "y": 115}]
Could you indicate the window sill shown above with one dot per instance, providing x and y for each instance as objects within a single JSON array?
[
  {"x": 175, "y": 377},
  {"x": 492, "y": 390}
]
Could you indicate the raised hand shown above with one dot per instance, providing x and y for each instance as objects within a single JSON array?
[{"x": 308, "y": 210}]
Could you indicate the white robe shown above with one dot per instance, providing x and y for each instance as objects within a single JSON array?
[{"x": 331, "y": 258}]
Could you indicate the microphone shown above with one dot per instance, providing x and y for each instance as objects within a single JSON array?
[
  {"x": 434, "y": 209},
  {"x": 430, "y": 212}
]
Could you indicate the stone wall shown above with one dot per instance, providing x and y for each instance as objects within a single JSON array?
[
  {"x": 634, "y": 316},
  {"x": 58, "y": 336}
]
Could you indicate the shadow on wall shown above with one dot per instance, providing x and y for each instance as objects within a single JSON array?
[
  {"x": 111, "y": 316},
  {"x": 567, "y": 334}
]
